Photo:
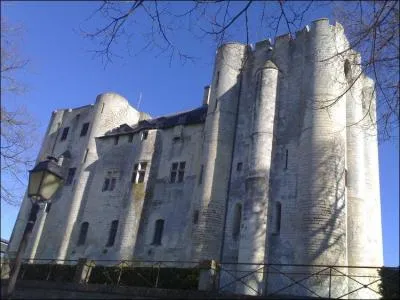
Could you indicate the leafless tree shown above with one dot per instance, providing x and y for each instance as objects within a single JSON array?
[
  {"x": 17, "y": 127},
  {"x": 371, "y": 27}
]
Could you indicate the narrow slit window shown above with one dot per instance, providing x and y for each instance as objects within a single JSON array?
[
  {"x": 278, "y": 216},
  {"x": 70, "y": 176},
  {"x": 239, "y": 167},
  {"x": 116, "y": 139},
  {"x": 158, "y": 231},
  {"x": 174, "y": 170},
  {"x": 83, "y": 233},
  {"x": 346, "y": 177},
  {"x": 106, "y": 184},
  {"x": 196, "y": 217},
  {"x": 112, "y": 234},
  {"x": 85, "y": 128},
  {"x": 64, "y": 134},
  {"x": 181, "y": 172},
  {"x": 217, "y": 79},
  {"x": 201, "y": 174},
  {"x": 237, "y": 219},
  {"x": 130, "y": 138},
  {"x": 144, "y": 135},
  {"x": 86, "y": 154},
  {"x": 286, "y": 158},
  {"x": 113, "y": 182}
]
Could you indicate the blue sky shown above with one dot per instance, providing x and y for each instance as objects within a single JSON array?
[{"x": 62, "y": 73}]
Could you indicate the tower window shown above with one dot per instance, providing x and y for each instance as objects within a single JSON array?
[
  {"x": 196, "y": 217},
  {"x": 144, "y": 135},
  {"x": 278, "y": 213},
  {"x": 130, "y": 138},
  {"x": 217, "y": 79},
  {"x": 112, "y": 234},
  {"x": 85, "y": 128},
  {"x": 83, "y": 233},
  {"x": 110, "y": 181},
  {"x": 106, "y": 184},
  {"x": 286, "y": 158},
  {"x": 201, "y": 174},
  {"x": 64, "y": 134},
  {"x": 139, "y": 172},
  {"x": 177, "y": 171},
  {"x": 70, "y": 176},
  {"x": 116, "y": 139},
  {"x": 237, "y": 219},
  {"x": 239, "y": 166},
  {"x": 158, "y": 231}
]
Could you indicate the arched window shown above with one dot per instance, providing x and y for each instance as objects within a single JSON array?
[
  {"x": 158, "y": 231},
  {"x": 112, "y": 233},
  {"x": 237, "y": 219},
  {"x": 83, "y": 233}
]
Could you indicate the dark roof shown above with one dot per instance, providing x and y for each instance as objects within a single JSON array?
[{"x": 195, "y": 116}]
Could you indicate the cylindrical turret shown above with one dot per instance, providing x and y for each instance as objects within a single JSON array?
[
  {"x": 321, "y": 237},
  {"x": 253, "y": 230},
  {"x": 219, "y": 135}
]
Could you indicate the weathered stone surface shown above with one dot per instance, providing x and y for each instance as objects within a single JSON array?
[{"x": 267, "y": 142}]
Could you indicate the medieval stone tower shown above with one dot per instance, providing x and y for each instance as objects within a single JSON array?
[{"x": 278, "y": 166}]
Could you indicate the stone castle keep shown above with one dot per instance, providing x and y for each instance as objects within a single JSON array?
[{"x": 274, "y": 167}]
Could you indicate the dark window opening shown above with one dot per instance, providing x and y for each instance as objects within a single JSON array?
[
  {"x": 70, "y": 176},
  {"x": 48, "y": 207},
  {"x": 139, "y": 172},
  {"x": 83, "y": 233},
  {"x": 158, "y": 231},
  {"x": 85, "y": 128},
  {"x": 196, "y": 217},
  {"x": 181, "y": 172},
  {"x": 64, "y": 134},
  {"x": 346, "y": 178},
  {"x": 102, "y": 108},
  {"x": 144, "y": 135},
  {"x": 112, "y": 234},
  {"x": 112, "y": 184},
  {"x": 286, "y": 159},
  {"x": 201, "y": 174},
  {"x": 130, "y": 138},
  {"x": 86, "y": 154},
  {"x": 176, "y": 139},
  {"x": 217, "y": 80},
  {"x": 278, "y": 212},
  {"x": 116, "y": 139},
  {"x": 174, "y": 170},
  {"x": 237, "y": 219},
  {"x": 105, "y": 184},
  {"x": 239, "y": 166}
]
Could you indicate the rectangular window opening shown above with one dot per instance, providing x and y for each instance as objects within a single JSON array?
[
  {"x": 130, "y": 138},
  {"x": 70, "y": 176},
  {"x": 158, "y": 231},
  {"x": 116, "y": 139},
  {"x": 144, "y": 135},
  {"x": 86, "y": 154},
  {"x": 64, "y": 134},
  {"x": 201, "y": 174},
  {"x": 85, "y": 128},
  {"x": 112, "y": 233},
  {"x": 83, "y": 233},
  {"x": 286, "y": 159},
  {"x": 239, "y": 166}
]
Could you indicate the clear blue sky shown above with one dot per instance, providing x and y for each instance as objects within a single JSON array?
[{"x": 63, "y": 74}]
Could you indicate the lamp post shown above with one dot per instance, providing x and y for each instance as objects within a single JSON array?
[{"x": 44, "y": 180}]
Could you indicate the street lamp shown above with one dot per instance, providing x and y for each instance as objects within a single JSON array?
[{"x": 44, "y": 180}]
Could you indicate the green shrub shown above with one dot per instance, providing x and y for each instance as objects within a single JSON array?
[{"x": 168, "y": 278}]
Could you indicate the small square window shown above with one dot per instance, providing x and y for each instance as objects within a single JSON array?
[
  {"x": 175, "y": 172},
  {"x": 144, "y": 135},
  {"x": 64, "y": 134}
]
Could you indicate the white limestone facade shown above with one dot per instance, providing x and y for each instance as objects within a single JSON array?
[{"x": 279, "y": 165}]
